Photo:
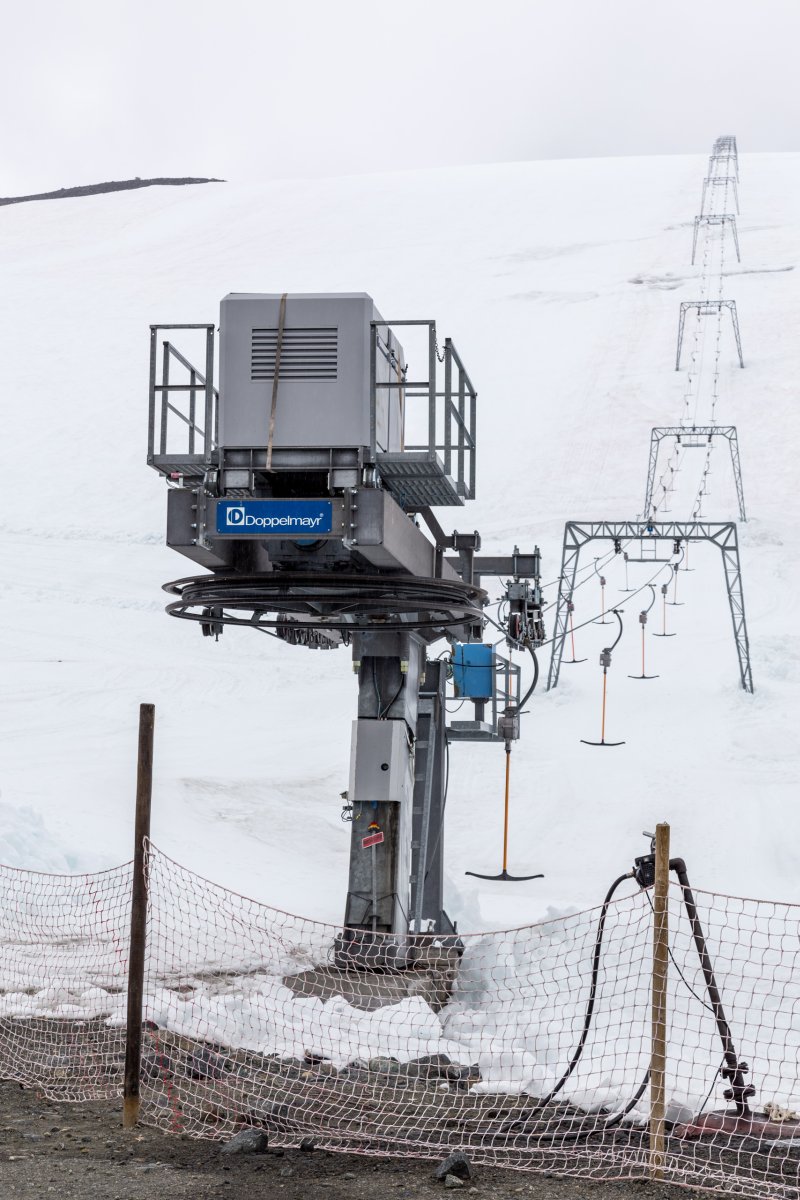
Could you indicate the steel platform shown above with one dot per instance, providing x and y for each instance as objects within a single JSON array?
[{"x": 416, "y": 479}]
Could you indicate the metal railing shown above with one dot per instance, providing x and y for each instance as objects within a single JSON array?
[
  {"x": 451, "y": 402},
  {"x": 198, "y": 386},
  {"x": 506, "y": 691}
]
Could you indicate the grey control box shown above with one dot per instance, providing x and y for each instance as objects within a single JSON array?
[{"x": 379, "y": 762}]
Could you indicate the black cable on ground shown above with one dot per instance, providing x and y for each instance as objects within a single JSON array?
[{"x": 587, "y": 1019}]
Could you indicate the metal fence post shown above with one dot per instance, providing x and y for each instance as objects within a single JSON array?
[
  {"x": 133, "y": 1028},
  {"x": 658, "y": 1053}
]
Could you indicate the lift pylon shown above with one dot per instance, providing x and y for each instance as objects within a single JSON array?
[
  {"x": 711, "y": 219},
  {"x": 693, "y": 437},
  {"x": 712, "y": 181},
  {"x": 708, "y": 308},
  {"x": 724, "y": 159},
  {"x": 722, "y": 534}
]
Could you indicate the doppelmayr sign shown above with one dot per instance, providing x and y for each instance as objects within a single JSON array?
[{"x": 275, "y": 518}]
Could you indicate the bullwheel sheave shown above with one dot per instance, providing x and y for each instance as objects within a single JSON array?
[{"x": 345, "y": 603}]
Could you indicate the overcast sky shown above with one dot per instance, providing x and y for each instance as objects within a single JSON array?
[{"x": 256, "y": 89}]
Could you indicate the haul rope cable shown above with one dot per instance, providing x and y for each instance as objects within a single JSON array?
[
  {"x": 604, "y": 560},
  {"x": 703, "y": 489},
  {"x": 197, "y": 590},
  {"x": 591, "y": 620},
  {"x": 612, "y": 554},
  {"x": 589, "y": 566}
]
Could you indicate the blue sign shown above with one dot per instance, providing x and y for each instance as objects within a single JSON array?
[{"x": 275, "y": 518}]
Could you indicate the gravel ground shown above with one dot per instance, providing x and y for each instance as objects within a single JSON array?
[{"x": 81, "y": 1152}]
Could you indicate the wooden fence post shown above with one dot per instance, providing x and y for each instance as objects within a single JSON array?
[
  {"x": 658, "y": 1052},
  {"x": 133, "y": 1028}
]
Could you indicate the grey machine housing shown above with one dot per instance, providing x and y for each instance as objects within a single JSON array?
[{"x": 324, "y": 387}]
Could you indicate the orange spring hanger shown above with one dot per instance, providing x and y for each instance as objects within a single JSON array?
[
  {"x": 664, "y": 633},
  {"x": 570, "y": 662},
  {"x": 602, "y": 578},
  {"x": 675, "y": 602},
  {"x": 643, "y": 623},
  {"x": 605, "y": 663}
]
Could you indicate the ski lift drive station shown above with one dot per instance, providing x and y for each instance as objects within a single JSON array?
[{"x": 305, "y": 485}]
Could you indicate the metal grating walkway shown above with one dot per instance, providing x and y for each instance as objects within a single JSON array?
[{"x": 415, "y": 479}]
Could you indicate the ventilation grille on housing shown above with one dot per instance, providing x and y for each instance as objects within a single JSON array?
[{"x": 305, "y": 354}]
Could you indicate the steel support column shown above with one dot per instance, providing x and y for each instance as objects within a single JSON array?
[
  {"x": 655, "y": 443},
  {"x": 735, "y": 319},
  {"x": 733, "y": 442},
  {"x": 729, "y": 545},
  {"x": 390, "y": 666},
  {"x": 430, "y": 784},
  {"x": 573, "y": 540},
  {"x": 681, "y": 326}
]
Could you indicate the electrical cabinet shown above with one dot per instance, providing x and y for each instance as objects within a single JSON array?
[{"x": 379, "y": 762}]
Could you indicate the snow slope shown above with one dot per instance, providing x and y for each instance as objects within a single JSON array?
[{"x": 560, "y": 284}]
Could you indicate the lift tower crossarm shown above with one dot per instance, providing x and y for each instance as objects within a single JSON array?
[
  {"x": 721, "y": 533},
  {"x": 520, "y": 566}
]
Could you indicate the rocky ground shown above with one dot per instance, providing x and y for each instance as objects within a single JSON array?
[{"x": 81, "y": 1152}]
